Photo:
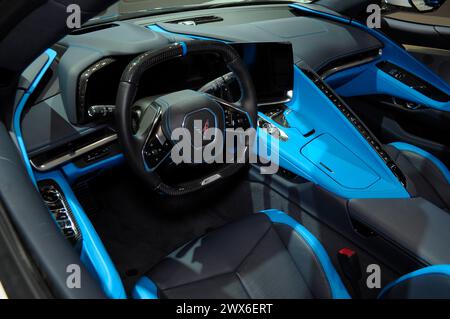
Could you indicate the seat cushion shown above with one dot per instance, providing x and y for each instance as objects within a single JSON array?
[
  {"x": 427, "y": 176},
  {"x": 266, "y": 255}
]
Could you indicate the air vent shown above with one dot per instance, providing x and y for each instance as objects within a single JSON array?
[
  {"x": 198, "y": 20},
  {"x": 94, "y": 28}
]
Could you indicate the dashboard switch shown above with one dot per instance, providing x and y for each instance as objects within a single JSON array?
[{"x": 413, "y": 81}]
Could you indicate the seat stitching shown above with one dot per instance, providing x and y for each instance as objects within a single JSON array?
[
  {"x": 253, "y": 248},
  {"x": 226, "y": 273},
  {"x": 271, "y": 227},
  {"x": 242, "y": 284},
  {"x": 293, "y": 260},
  {"x": 197, "y": 281}
]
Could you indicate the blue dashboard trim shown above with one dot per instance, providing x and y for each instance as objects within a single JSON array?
[
  {"x": 145, "y": 289},
  {"x": 18, "y": 112},
  {"x": 337, "y": 288},
  {"x": 73, "y": 172},
  {"x": 93, "y": 254},
  {"x": 184, "y": 48},
  {"x": 159, "y": 29},
  {"x": 411, "y": 148},
  {"x": 368, "y": 79},
  {"x": 427, "y": 271}
]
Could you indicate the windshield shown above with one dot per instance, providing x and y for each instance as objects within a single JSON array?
[{"x": 130, "y": 7}]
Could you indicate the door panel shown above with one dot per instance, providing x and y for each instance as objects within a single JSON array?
[
  {"x": 426, "y": 35},
  {"x": 408, "y": 32},
  {"x": 424, "y": 127},
  {"x": 436, "y": 59}
]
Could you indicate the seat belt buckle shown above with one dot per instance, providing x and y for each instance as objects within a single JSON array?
[
  {"x": 349, "y": 261},
  {"x": 350, "y": 266}
]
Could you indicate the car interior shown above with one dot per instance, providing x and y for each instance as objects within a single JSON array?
[{"x": 361, "y": 117}]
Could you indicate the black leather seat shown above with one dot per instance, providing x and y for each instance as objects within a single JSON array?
[
  {"x": 266, "y": 255},
  {"x": 427, "y": 176}
]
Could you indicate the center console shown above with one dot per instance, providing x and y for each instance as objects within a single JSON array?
[
  {"x": 414, "y": 225},
  {"x": 356, "y": 122},
  {"x": 324, "y": 141}
]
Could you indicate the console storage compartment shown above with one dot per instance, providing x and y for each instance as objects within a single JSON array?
[{"x": 338, "y": 162}]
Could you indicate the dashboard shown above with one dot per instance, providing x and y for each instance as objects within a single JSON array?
[
  {"x": 101, "y": 51},
  {"x": 328, "y": 52}
]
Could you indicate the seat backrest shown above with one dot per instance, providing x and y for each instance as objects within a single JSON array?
[{"x": 431, "y": 282}]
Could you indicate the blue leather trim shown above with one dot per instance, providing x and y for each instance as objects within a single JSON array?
[
  {"x": 73, "y": 172},
  {"x": 93, "y": 253},
  {"x": 145, "y": 289},
  {"x": 184, "y": 47},
  {"x": 338, "y": 290},
  {"x": 411, "y": 148},
  {"x": 18, "y": 112},
  {"x": 431, "y": 270},
  {"x": 368, "y": 79},
  {"x": 339, "y": 163},
  {"x": 157, "y": 28},
  {"x": 311, "y": 109}
]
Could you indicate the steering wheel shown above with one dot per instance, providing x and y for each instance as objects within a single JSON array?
[{"x": 151, "y": 143}]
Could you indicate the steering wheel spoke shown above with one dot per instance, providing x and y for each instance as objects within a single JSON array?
[
  {"x": 235, "y": 116},
  {"x": 155, "y": 149}
]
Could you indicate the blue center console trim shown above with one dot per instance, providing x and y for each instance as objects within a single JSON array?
[
  {"x": 337, "y": 161},
  {"x": 368, "y": 79},
  {"x": 18, "y": 112},
  {"x": 311, "y": 109},
  {"x": 411, "y": 148},
  {"x": 73, "y": 172},
  {"x": 338, "y": 290},
  {"x": 93, "y": 253},
  {"x": 431, "y": 270},
  {"x": 145, "y": 289}
]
